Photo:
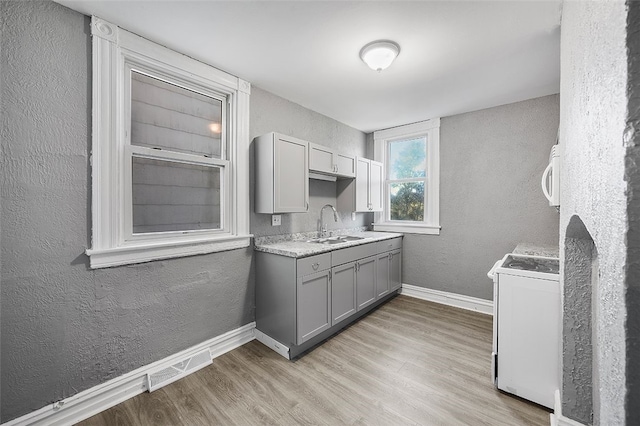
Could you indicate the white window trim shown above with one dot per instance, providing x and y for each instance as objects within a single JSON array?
[
  {"x": 430, "y": 128},
  {"x": 113, "y": 48}
]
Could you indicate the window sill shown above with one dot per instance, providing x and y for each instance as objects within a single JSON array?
[
  {"x": 126, "y": 255},
  {"x": 407, "y": 228}
]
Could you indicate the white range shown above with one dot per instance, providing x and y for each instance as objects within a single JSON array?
[{"x": 526, "y": 327}]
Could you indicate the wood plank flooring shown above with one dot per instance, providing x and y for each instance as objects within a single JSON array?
[{"x": 410, "y": 362}]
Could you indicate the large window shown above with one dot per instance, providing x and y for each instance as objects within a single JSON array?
[
  {"x": 411, "y": 188},
  {"x": 169, "y": 154}
]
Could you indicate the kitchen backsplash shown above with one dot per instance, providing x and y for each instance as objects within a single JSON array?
[{"x": 320, "y": 193}]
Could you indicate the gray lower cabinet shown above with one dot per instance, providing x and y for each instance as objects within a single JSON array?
[
  {"x": 343, "y": 292},
  {"x": 300, "y": 301},
  {"x": 366, "y": 282},
  {"x": 388, "y": 272},
  {"x": 395, "y": 270},
  {"x": 313, "y": 304}
]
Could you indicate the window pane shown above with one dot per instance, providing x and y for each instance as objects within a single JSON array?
[
  {"x": 408, "y": 158},
  {"x": 170, "y": 196},
  {"x": 407, "y": 201},
  {"x": 167, "y": 116}
]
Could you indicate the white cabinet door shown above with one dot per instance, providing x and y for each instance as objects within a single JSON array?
[
  {"x": 291, "y": 175},
  {"x": 362, "y": 185},
  {"x": 282, "y": 174},
  {"x": 321, "y": 159},
  {"x": 375, "y": 186},
  {"x": 345, "y": 165}
]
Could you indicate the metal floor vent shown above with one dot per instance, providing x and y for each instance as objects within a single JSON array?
[{"x": 177, "y": 371}]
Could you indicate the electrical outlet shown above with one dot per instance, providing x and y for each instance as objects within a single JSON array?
[
  {"x": 353, "y": 215},
  {"x": 276, "y": 220}
]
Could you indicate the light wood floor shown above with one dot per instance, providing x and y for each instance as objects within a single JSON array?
[{"x": 408, "y": 362}]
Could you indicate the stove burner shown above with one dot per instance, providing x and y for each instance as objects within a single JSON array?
[{"x": 549, "y": 266}]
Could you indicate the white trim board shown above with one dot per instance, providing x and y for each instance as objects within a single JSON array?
[
  {"x": 103, "y": 396},
  {"x": 556, "y": 418},
  {"x": 451, "y": 299}
]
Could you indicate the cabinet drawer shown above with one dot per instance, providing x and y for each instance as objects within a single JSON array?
[
  {"x": 310, "y": 265},
  {"x": 388, "y": 245},
  {"x": 340, "y": 257}
]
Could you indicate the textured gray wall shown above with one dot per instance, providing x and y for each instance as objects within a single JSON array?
[
  {"x": 632, "y": 176},
  {"x": 64, "y": 327},
  {"x": 270, "y": 113},
  {"x": 593, "y": 113},
  {"x": 491, "y": 163}
]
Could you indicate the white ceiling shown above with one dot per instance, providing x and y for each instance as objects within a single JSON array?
[{"x": 455, "y": 56}]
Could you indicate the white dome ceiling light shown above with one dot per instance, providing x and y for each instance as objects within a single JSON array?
[{"x": 379, "y": 54}]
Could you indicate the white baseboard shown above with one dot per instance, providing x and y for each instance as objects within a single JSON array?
[
  {"x": 271, "y": 343},
  {"x": 556, "y": 418},
  {"x": 99, "y": 398},
  {"x": 451, "y": 299}
]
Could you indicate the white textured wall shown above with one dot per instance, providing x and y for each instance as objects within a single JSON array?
[{"x": 593, "y": 110}]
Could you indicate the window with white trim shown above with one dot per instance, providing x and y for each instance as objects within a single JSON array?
[
  {"x": 411, "y": 158},
  {"x": 170, "y": 153}
]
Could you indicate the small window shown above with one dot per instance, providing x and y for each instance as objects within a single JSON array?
[
  {"x": 169, "y": 155},
  {"x": 411, "y": 189}
]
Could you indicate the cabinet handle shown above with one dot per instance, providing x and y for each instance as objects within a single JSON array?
[
  {"x": 315, "y": 266},
  {"x": 330, "y": 274},
  {"x": 307, "y": 206},
  {"x": 357, "y": 266},
  {"x": 390, "y": 257}
]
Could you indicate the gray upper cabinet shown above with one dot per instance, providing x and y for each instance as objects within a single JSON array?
[
  {"x": 282, "y": 174},
  {"x": 329, "y": 162},
  {"x": 364, "y": 194}
]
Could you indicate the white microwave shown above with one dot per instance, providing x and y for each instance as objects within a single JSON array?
[{"x": 551, "y": 178}]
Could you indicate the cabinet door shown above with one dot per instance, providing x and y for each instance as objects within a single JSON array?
[
  {"x": 345, "y": 165},
  {"x": 362, "y": 185},
  {"x": 375, "y": 186},
  {"x": 343, "y": 292},
  {"x": 366, "y": 281},
  {"x": 395, "y": 270},
  {"x": 382, "y": 274},
  {"x": 291, "y": 175},
  {"x": 321, "y": 159},
  {"x": 313, "y": 305}
]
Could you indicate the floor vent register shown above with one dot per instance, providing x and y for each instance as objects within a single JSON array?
[{"x": 178, "y": 370}]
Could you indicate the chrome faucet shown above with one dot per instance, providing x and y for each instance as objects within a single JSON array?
[{"x": 323, "y": 229}]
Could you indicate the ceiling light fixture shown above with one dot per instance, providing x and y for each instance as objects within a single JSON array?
[{"x": 379, "y": 54}]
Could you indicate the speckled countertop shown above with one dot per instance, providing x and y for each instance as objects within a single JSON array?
[
  {"x": 297, "y": 245},
  {"x": 531, "y": 250}
]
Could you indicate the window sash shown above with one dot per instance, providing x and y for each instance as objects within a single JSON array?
[
  {"x": 425, "y": 207},
  {"x": 132, "y": 65},
  {"x": 389, "y": 181},
  {"x": 171, "y": 156}
]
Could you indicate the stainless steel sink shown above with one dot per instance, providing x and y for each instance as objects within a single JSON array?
[{"x": 335, "y": 240}]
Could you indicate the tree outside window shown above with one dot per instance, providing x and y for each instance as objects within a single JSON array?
[{"x": 407, "y": 179}]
